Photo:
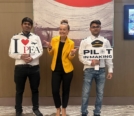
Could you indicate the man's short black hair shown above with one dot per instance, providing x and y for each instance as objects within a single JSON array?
[
  {"x": 96, "y": 22},
  {"x": 27, "y": 19}
]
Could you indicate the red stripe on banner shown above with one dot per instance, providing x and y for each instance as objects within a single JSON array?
[{"x": 83, "y": 3}]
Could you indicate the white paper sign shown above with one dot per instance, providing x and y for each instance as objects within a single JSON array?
[{"x": 24, "y": 46}]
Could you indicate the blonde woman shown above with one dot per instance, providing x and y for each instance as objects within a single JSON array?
[{"x": 62, "y": 50}]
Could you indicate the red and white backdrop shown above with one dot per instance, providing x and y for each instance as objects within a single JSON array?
[{"x": 79, "y": 13}]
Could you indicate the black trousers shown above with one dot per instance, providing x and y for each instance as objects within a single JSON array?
[
  {"x": 20, "y": 76},
  {"x": 59, "y": 77}
]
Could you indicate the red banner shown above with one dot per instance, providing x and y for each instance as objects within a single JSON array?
[{"x": 83, "y": 3}]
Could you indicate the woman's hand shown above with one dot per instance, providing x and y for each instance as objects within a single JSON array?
[
  {"x": 73, "y": 51},
  {"x": 48, "y": 44}
]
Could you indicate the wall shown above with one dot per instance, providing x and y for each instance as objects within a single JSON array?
[{"x": 119, "y": 88}]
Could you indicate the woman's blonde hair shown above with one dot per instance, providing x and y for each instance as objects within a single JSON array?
[{"x": 65, "y": 22}]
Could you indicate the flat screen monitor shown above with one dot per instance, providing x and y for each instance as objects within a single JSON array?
[{"x": 129, "y": 22}]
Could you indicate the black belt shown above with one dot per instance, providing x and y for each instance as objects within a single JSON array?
[
  {"x": 25, "y": 65},
  {"x": 99, "y": 68}
]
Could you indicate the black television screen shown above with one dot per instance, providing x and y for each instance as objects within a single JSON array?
[{"x": 129, "y": 22}]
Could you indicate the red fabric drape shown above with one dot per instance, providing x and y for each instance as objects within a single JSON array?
[{"x": 83, "y": 3}]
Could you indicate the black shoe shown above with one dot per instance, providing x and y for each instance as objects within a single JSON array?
[
  {"x": 84, "y": 115},
  {"x": 96, "y": 114},
  {"x": 18, "y": 113},
  {"x": 37, "y": 113}
]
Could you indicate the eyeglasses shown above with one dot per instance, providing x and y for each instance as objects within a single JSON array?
[{"x": 93, "y": 27}]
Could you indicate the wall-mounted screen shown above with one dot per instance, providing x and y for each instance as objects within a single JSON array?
[{"x": 129, "y": 22}]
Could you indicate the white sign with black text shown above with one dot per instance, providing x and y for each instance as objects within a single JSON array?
[
  {"x": 24, "y": 46},
  {"x": 98, "y": 53}
]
